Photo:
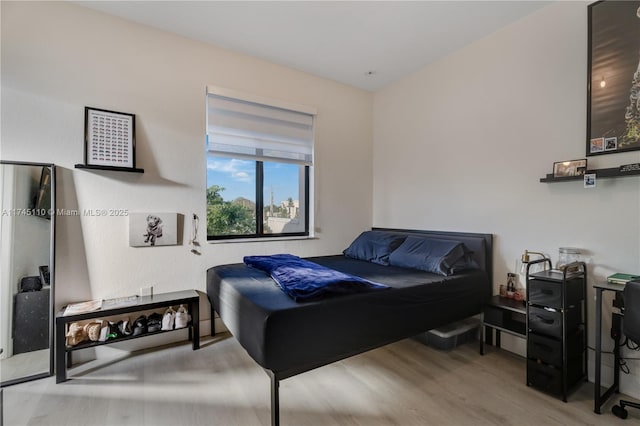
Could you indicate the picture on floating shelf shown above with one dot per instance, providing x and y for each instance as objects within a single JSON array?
[
  {"x": 590, "y": 180},
  {"x": 569, "y": 168},
  {"x": 109, "y": 138},
  {"x": 153, "y": 229}
]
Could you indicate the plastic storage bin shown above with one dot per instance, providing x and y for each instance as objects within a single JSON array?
[{"x": 451, "y": 335}]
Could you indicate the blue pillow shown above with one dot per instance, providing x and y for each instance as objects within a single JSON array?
[
  {"x": 443, "y": 257},
  {"x": 374, "y": 246}
]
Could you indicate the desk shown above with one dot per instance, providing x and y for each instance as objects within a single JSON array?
[
  {"x": 601, "y": 398},
  {"x": 143, "y": 303}
]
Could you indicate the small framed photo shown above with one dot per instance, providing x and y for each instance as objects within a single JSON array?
[
  {"x": 590, "y": 180},
  {"x": 597, "y": 145},
  {"x": 109, "y": 138},
  {"x": 610, "y": 144},
  {"x": 570, "y": 168}
]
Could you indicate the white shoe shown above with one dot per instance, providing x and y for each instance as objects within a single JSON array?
[
  {"x": 168, "y": 319},
  {"x": 182, "y": 317}
]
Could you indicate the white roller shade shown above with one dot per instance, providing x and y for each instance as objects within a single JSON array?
[{"x": 243, "y": 128}]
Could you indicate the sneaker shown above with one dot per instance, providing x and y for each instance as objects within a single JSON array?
[
  {"x": 124, "y": 326},
  {"x": 182, "y": 317},
  {"x": 140, "y": 326},
  {"x": 114, "y": 331},
  {"x": 154, "y": 322},
  {"x": 92, "y": 330},
  {"x": 168, "y": 319}
]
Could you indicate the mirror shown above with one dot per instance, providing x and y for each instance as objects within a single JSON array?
[{"x": 27, "y": 231}]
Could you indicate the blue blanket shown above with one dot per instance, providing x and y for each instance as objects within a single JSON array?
[{"x": 305, "y": 281}]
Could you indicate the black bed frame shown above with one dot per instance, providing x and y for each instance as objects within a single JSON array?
[{"x": 277, "y": 376}]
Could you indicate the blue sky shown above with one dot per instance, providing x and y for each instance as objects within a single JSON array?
[{"x": 238, "y": 178}]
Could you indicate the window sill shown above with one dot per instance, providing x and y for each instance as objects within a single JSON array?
[{"x": 261, "y": 240}]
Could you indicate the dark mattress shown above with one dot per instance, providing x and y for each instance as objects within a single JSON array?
[{"x": 285, "y": 336}]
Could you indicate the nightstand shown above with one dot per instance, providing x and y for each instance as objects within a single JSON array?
[{"x": 502, "y": 314}]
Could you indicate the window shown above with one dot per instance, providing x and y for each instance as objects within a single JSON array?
[{"x": 259, "y": 165}]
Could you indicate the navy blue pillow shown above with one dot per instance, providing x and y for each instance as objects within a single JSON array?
[
  {"x": 374, "y": 246},
  {"x": 443, "y": 257}
]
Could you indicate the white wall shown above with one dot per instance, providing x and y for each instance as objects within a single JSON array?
[
  {"x": 58, "y": 58},
  {"x": 461, "y": 145}
]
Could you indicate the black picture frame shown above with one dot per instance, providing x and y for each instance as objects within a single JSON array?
[
  {"x": 613, "y": 112},
  {"x": 570, "y": 168},
  {"x": 109, "y": 138}
]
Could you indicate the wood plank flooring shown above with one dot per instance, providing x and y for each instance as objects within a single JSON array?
[{"x": 405, "y": 383}]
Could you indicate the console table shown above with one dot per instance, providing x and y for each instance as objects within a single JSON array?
[{"x": 143, "y": 303}]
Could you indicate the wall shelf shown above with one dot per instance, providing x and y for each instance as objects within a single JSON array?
[
  {"x": 110, "y": 168},
  {"x": 613, "y": 172}
]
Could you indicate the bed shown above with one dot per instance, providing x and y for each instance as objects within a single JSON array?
[{"x": 286, "y": 337}]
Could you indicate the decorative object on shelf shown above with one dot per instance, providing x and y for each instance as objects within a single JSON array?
[
  {"x": 109, "y": 138},
  {"x": 566, "y": 256},
  {"x": 153, "y": 229},
  {"x": 590, "y": 180},
  {"x": 613, "y": 107},
  {"x": 569, "y": 168},
  {"x": 626, "y": 168}
]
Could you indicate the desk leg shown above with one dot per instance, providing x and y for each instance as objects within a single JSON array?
[{"x": 598, "y": 363}]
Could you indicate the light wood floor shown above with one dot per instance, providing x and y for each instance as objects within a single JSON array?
[
  {"x": 24, "y": 364},
  {"x": 405, "y": 383}
]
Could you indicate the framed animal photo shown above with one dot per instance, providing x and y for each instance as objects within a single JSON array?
[{"x": 153, "y": 229}]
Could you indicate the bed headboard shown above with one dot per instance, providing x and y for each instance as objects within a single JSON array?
[{"x": 481, "y": 244}]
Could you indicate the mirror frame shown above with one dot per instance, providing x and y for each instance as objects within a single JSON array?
[{"x": 52, "y": 269}]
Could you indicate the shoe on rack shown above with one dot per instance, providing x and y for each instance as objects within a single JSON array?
[
  {"x": 182, "y": 317},
  {"x": 154, "y": 322},
  {"x": 140, "y": 325},
  {"x": 114, "y": 331},
  {"x": 124, "y": 326},
  {"x": 168, "y": 319},
  {"x": 92, "y": 329},
  {"x": 76, "y": 334}
]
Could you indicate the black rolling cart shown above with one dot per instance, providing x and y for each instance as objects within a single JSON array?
[{"x": 557, "y": 328}]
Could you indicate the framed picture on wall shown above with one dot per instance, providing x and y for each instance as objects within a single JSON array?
[
  {"x": 613, "y": 101},
  {"x": 153, "y": 229},
  {"x": 109, "y": 138},
  {"x": 569, "y": 168}
]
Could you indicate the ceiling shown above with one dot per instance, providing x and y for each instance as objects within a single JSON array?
[{"x": 366, "y": 44}]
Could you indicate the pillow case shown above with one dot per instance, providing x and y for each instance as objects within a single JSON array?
[
  {"x": 438, "y": 256},
  {"x": 374, "y": 246}
]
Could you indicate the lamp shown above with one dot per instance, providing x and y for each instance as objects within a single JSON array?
[{"x": 524, "y": 260}]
